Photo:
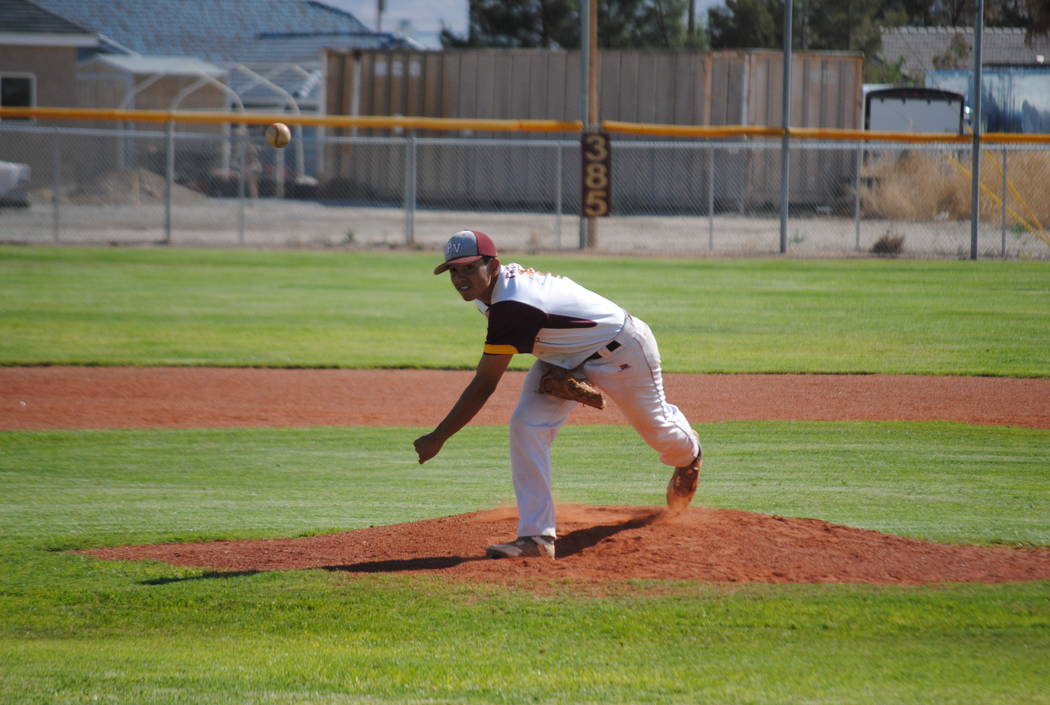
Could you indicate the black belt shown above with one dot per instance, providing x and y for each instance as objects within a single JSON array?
[{"x": 608, "y": 349}]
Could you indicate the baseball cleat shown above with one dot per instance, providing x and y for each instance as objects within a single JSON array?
[
  {"x": 523, "y": 547},
  {"x": 682, "y": 487}
]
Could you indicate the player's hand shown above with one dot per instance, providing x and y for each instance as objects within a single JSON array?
[{"x": 427, "y": 447}]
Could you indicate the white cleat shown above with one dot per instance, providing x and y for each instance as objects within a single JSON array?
[{"x": 523, "y": 547}]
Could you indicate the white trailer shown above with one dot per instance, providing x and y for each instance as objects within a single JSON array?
[{"x": 914, "y": 110}]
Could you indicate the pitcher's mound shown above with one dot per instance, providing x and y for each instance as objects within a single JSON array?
[{"x": 621, "y": 543}]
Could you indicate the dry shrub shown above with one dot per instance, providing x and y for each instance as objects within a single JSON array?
[
  {"x": 1029, "y": 178},
  {"x": 888, "y": 244},
  {"x": 928, "y": 186},
  {"x": 914, "y": 186}
]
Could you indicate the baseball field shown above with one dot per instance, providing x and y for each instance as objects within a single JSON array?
[{"x": 208, "y": 492}]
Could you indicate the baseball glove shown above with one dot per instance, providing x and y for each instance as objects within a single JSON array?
[{"x": 571, "y": 385}]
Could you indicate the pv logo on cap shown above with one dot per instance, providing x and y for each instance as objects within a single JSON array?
[{"x": 466, "y": 246}]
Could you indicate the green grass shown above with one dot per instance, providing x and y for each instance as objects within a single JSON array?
[
  {"x": 364, "y": 309},
  {"x": 318, "y": 638},
  {"x": 938, "y": 480},
  {"x": 78, "y": 630}
]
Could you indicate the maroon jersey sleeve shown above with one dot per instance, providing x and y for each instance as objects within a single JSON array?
[{"x": 514, "y": 326}]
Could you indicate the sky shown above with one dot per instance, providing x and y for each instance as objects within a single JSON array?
[
  {"x": 419, "y": 19},
  {"x": 422, "y": 20}
]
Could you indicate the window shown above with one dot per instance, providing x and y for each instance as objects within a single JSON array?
[{"x": 17, "y": 91}]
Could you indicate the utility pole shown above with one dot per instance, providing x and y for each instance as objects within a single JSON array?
[
  {"x": 588, "y": 99},
  {"x": 785, "y": 142},
  {"x": 975, "y": 99}
]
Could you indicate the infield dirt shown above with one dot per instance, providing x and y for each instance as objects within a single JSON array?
[{"x": 596, "y": 544}]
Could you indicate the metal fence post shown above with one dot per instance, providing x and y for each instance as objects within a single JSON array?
[
  {"x": 242, "y": 157},
  {"x": 56, "y": 178},
  {"x": 785, "y": 140},
  {"x": 279, "y": 183},
  {"x": 558, "y": 176},
  {"x": 975, "y": 169},
  {"x": 1002, "y": 204},
  {"x": 856, "y": 197},
  {"x": 710, "y": 196},
  {"x": 410, "y": 188},
  {"x": 169, "y": 180}
]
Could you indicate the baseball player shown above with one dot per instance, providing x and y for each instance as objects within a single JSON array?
[{"x": 574, "y": 333}]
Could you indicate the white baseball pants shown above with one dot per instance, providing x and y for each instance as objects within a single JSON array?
[{"x": 631, "y": 377}]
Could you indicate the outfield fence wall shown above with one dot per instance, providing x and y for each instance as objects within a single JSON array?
[{"x": 680, "y": 195}]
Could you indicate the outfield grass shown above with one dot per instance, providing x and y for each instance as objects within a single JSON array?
[
  {"x": 366, "y": 309},
  {"x": 77, "y": 630}
]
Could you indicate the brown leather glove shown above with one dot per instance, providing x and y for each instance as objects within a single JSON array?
[{"x": 569, "y": 384}]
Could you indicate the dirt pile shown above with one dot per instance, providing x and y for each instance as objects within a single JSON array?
[
  {"x": 621, "y": 543},
  {"x": 130, "y": 187}
]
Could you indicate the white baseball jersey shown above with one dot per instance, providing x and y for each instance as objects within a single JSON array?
[{"x": 550, "y": 316}]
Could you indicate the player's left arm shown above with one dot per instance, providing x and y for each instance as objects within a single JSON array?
[{"x": 487, "y": 376}]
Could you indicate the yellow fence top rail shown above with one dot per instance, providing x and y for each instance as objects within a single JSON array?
[
  {"x": 379, "y": 122},
  {"x": 707, "y": 131},
  {"x": 814, "y": 133},
  {"x": 364, "y": 121}
]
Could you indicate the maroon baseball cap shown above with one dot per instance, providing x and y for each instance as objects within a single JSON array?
[{"x": 466, "y": 246}]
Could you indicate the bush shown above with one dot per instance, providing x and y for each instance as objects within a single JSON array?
[
  {"x": 888, "y": 244},
  {"x": 936, "y": 186}
]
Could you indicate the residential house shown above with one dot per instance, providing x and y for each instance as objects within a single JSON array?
[{"x": 1015, "y": 71}]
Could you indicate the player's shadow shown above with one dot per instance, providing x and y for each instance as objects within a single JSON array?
[
  {"x": 404, "y": 565},
  {"x": 580, "y": 539},
  {"x": 209, "y": 575},
  {"x": 567, "y": 545}
]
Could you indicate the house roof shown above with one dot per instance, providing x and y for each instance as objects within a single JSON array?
[
  {"x": 23, "y": 23},
  {"x": 257, "y": 34},
  {"x": 919, "y": 46},
  {"x": 213, "y": 31}
]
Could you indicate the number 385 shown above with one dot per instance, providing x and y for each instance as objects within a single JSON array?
[{"x": 596, "y": 174}]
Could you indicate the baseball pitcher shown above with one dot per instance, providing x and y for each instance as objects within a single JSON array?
[{"x": 586, "y": 347}]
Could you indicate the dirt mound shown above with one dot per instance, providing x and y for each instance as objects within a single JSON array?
[
  {"x": 621, "y": 543},
  {"x": 130, "y": 187}
]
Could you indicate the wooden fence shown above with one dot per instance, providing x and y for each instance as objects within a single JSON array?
[{"x": 669, "y": 87}]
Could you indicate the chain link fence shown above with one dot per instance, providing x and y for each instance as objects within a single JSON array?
[{"x": 673, "y": 197}]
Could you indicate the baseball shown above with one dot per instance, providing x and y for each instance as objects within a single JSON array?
[{"x": 278, "y": 135}]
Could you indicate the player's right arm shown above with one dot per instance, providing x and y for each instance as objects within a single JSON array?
[{"x": 489, "y": 372}]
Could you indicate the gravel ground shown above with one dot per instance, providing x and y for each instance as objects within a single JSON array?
[{"x": 294, "y": 223}]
